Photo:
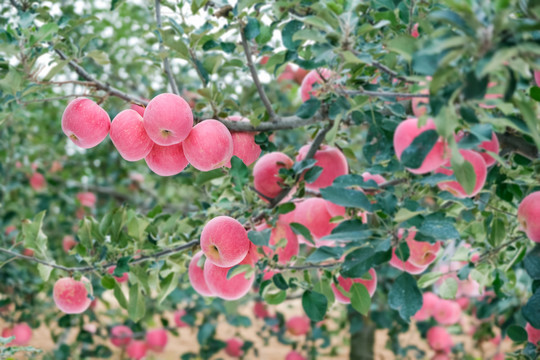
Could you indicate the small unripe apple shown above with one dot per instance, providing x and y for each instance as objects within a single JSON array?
[
  {"x": 71, "y": 296},
  {"x": 85, "y": 123},
  {"x": 168, "y": 119}
]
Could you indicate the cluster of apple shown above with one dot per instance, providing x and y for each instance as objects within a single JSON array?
[
  {"x": 162, "y": 133},
  {"x": 155, "y": 340},
  {"x": 22, "y": 333}
]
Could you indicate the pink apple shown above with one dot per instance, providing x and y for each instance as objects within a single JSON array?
[
  {"x": 419, "y": 104},
  {"x": 166, "y": 160},
  {"x": 138, "y": 108},
  {"x": 488, "y": 145},
  {"x": 68, "y": 243},
  {"x": 244, "y": 146},
  {"x": 480, "y": 169},
  {"x": 87, "y": 199},
  {"x": 168, "y": 119},
  {"x": 346, "y": 284},
  {"x": 406, "y": 266},
  {"x": 129, "y": 136},
  {"x": 537, "y": 77},
  {"x": 22, "y": 333},
  {"x": 234, "y": 347},
  {"x": 37, "y": 181},
  {"x": 196, "y": 276},
  {"x": 156, "y": 339},
  {"x": 85, "y": 123},
  {"x": 429, "y": 303},
  {"x": 178, "y": 318},
  {"x": 120, "y": 279},
  {"x": 300, "y": 74},
  {"x": 447, "y": 312},
  {"x": 379, "y": 179},
  {"x": 136, "y": 349},
  {"x": 224, "y": 241},
  {"x": 209, "y": 145},
  {"x": 293, "y": 355},
  {"x": 414, "y": 31},
  {"x": 266, "y": 178},
  {"x": 72, "y": 296},
  {"x": 533, "y": 334},
  {"x": 313, "y": 213},
  {"x": 439, "y": 339},
  {"x": 56, "y": 166},
  {"x": 282, "y": 231},
  {"x": 332, "y": 161},
  {"x": 260, "y": 311},
  {"x": 404, "y": 135},
  {"x": 121, "y": 335},
  {"x": 228, "y": 289},
  {"x": 312, "y": 78},
  {"x": 528, "y": 215},
  {"x": 298, "y": 325}
]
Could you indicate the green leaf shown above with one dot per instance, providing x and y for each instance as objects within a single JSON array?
[
  {"x": 239, "y": 172},
  {"x": 119, "y": 295},
  {"x": 531, "y": 262},
  {"x": 136, "y": 227},
  {"x": 415, "y": 154},
  {"x": 196, "y": 5},
  {"x": 313, "y": 174},
  {"x": 308, "y": 108},
  {"x": 136, "y": 306},
  {"x": 439, "y": 229},
  {"x": 275, "y": 298},
  {"x": 465, "y": 175},
  {"x": 101, "y": 57},
  {"x": 405, "y": 297},
  {"x": 280, "y": 281},
  {"x": 45, "y": 33},
  {"x": 44, "y": 271},
  {"x": 360, "y": 299},
  {"x": 240, "y": 269},
  {"x": 108, "y": 282},
  {"x": 428, "y": 279},
  {"x": 33, "y": 235},
  {"x": 517, "y": 333},
  {"x": 347, "y": 197},
  {"x": 206, "y": 331},
  {"x": 168, "y": 285},
  {"x": 286, "y": 208},
  {"x": 303, "y": 231},
  {"x": 260, "y": 238},
  {"x": 252, "y": 29},
  {"x": 315, "y": 305},
  {"x": 116, "y": 3},
  {"x": 323, "y": 253},
  {"x": 122, "y": 266},
  {"x": 358, "y": 262},
  {"x": 531, "y": 311},
  {"x": 448, "y": 288},
  {"x": 288, "y": 32},
  {"x": 534, "y": 92}
]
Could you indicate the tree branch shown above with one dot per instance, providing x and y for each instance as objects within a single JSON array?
[
  {"x": 284, "y": 123},
  {"x": 308, "y": 266},
  {"x": 141, "y": 259},
  {"x": 166, "y": 65},
  {"x": 385, "y": 94},
  {"x": 99, "y": 84},
  {"x": 255, "y": 76},
  {"x": 514, "y": 143}
]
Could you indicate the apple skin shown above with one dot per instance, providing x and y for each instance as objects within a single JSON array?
[
  {"x": 168, "y": 119},
  {"x": 178, "y": 314},
  {"x": 421, "y": 254},
  {"x": 346, "y": 284},
  {"x": 121, "y": 335},
  {"x": 22, "y": 333},
  {"x": 429, "y": 303},
  {"x": 300, "y": 74},
  {"x": 480, "y": 169},
  {"x": 87, "y": 199},
  {"x": 37, "y": 181},
  {"x": 298, "y": 325},
  {"x": 227, "y": 289},
  {"x": 224, "y": 241},
  {"x": 492, "y": 145},
  {"x": 332, "y": 161},
  {"x": 260, "y": 311},
  {"x": 447, "y": 312},
  {"x": 312, "y": 78},
  {"x": 414, "y": 31},
  {"x": 209, "y": 145},
  {"x": 281, "y": 231},
  {"x": 439, "y": 339},
  {"x": 234, "y": 347},
  {"x": 293, "y": 355},
  {"x": 533, "y": 334},
  {"x": 138, "y": 108},
  {"x": 129, "y": 136},
  {"x": 68, "y": 243},
  {"x": 196, "y": 276},
  {"x": 85, "y": 123},
  {"x": 156, "y": 339},
  {"x": 537, "y": 77},
  {"x": 136, "y": 349},
  {"x": 404, "y": 135},
  {"x": 528, "y": 215},
  {"x": 71, "y": 296},
  {"x": 244, "y": 145},
  {"x": 166, "y": 160},
  {"x": 313, "y": 213},
  {"x": 266, "y": 178},
  {"x": 119, "y": 279}
]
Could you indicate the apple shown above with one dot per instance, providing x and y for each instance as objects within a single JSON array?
[
  {"x": 129, "y": 136},
  {"x": 533, "y": 334},
  {"x": 480, "y": 169},
  {"x": 234, "y": 347},
  {"x": 85, "y": 123},
  {"x": 209, "y": 145},
  {"x": 224, "y": 241},
  {"x": 68, "y": 243},
  {"x": 266, "y": 178},
  {"x": 22, "y": 333},
  {"x": 120, "y": 279},
  {"x": 87, "y": 199},
  {"x": 281, "y": 231},
  {"x": 178, "y": 314},
  {"x": 244, "y": 146},
  {"x": 72, "y": 296},
  {"x": 313, "y": 214},
  {"x": 136, "y": 349},
  {"x": 331, "y": 160},
  {"x": 429, "y": 303},
  {"x": 312, "y": 78},
  {"x": 346, "y": 284},
  {"x": 293, "y": 355},
  {"x": 121, "y": 335},
  {"x": 166, "y": 160},
  {"x": 447, "y": 312},
  {"x": 37, "y": 181},
  {"x": 528, "y": 215},
  {"x": 298, "y": 325},
  {"x": 260, "y": 310},
  {"x": 168, "y": 119},
  {"x": 138, "y": 108},
  {"x": 227, "y": 289},
  {"x": 439, "y": 339},
  {"x": 414, "y": 31},
  {"x": 156, "y": 339},
  {"x": 196, "y": 276}
]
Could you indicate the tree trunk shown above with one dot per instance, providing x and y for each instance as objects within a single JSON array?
[{"x": 362, "y": 331}]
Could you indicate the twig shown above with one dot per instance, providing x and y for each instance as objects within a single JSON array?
[
  {"x": 411, "y": 12},
  {"x": 255, "y": 76},
  {"x": 496, "y": 209},
  {"x": 498, "y": 248},
  {"x": 56, "y": 98},
  {"x": 393, "y": 183},
  {"x": 307, "y": 266},
  {"x": 385, "y": 94},
  {"x": 100, "y": 85},
  {"x": 166, "y": 65},
  {"x": 107, "y": 265}
]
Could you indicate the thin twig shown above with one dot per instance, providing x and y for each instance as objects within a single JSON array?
[
  {"x": 385, "y": 94},
  {"x": 496, "y": 209},
  {"x": 56, "y": 98},
  {"x": 107, "y": 265},
  {"x": 255, "y": 76},
  {"x": 166, "y": 65},
  {"x": 411, "y": 12},
  {"x": 488, "y": 253},
  {"x": 308, "y": 266}
]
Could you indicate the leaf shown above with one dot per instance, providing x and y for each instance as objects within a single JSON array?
[
  {"x": 360, "y": 299},
  {"x": 286, "y": 208},
  {"x": 531, "y": 310},
  {"x": 239, "y": 269},
  {"x": 358, "y": 262},
  {"x": 534, "y": 92},
  {"x": 517, "y": 333},
  {"x": 439, "y": 229},
  {"x": 101, "y": 57},
  {"x": 136, "y": 306},
  {"x": 428, "y": 279},
  {"x": 260, "y": 238},
  {"x": 168, "y": 285},
  {"x": 239, "y": 172},
  {"x": 206, "y": 331},
  {"x": 405, "y": 297},
  {"x": 44, "y": 271},
  {"x": 315, "y": 305},
  {"x": 280, "y": 281},
  {"x": 33, "y": 235},
  {"x": 465, "y": 175},
  {"x": 275, "y": 298},
  {"x": 347, "y": 197},
  {"x": 323, "y": 253},
  {"x": 448, "y": 288},
  {"x": 115, "y": 4},
  {"x": 415, "y": 154},
  {"x": 108, "y": 282},
  {"x": 122, "y": 266},
  {"x": 119, "y": 295},
  {"x": 303, "y": 231},
  {"x": 196, "y": 5},
  {"x": 532, "y": 263},
  {"x": 252, "y": 29},
  {"x": 308, "y": 108},
  {"x": 288, "y": 32},
  {"x": 45, "y": 33}
]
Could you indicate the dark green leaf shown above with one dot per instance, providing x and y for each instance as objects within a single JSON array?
[
  {"x": 252, "y": 28},
  {"x": 288, "y": 32},
  {"x": 315, "y": 305},
  {"x": 260, "y": 238},
  {"x": 308, "y": 108},
  {"x": 325, "y": 252},
  {"x": 239, "y": 172},
  {"x": 280, "y": 282},
  {"x": 531, "y": 311},
  {"x": 517, "y": 333},
  {"x": 405, "y": 297},
  {"x": 303, "y": 231},
  {"x": 415, "y": 154},
  {"x": 347, "y": 197},
  {"x": 360, "y": 299}
]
